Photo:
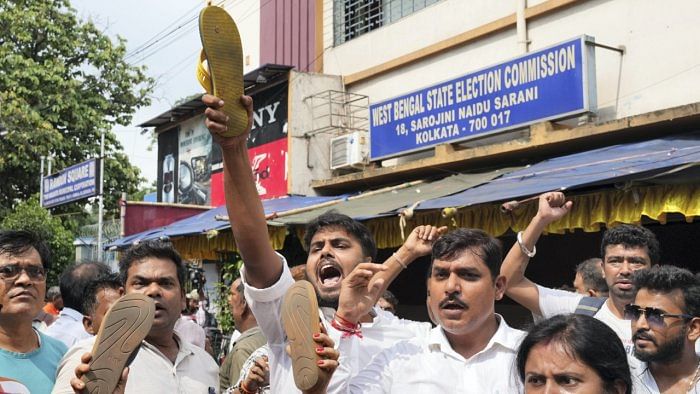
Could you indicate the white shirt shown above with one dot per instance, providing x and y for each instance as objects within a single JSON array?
[
  {"x": 151, "y": 371},
  {"x": 201, "y": 316},
  {"x": 430, "y": 365},
  {"x": 234, "y": 337},
  {"x": 190, "y": 331},
  {"x": 557, "y": 302},
  {"x": 68, "y": 328},
  {"x": 384, "y": 331},
  {"x": 643, "y": 381},
  {"x": 194, "y": 371}
]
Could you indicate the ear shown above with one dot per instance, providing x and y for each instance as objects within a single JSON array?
[
  {"x": 87, "y": 324},
  {"x": 694, "y": 329},
  {"x": 620, "y": 387},
  {"x": 500, "y": 286},
  {"x": 183, "y": 300},
  {"x": 592, "y": 293}
]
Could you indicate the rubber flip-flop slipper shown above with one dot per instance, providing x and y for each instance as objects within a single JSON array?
[
  {"x": 125, "y": 325},
  {"x": 222, "y": 49},
  {"x": 301, "y": 321}
]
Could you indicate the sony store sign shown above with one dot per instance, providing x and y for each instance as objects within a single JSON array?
[{"x": 554, "y": 82}]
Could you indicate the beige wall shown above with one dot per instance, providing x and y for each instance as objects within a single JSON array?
[
  {"x": 246, "y": 14},
  {"x": 660, "y": 68}
]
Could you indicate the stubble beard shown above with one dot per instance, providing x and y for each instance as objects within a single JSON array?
[{"x": 665, "y": 354}]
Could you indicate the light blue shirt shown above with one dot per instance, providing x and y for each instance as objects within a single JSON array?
[
  {"x": 36, "y": 369},
  {"x": 68, "y": 328}
]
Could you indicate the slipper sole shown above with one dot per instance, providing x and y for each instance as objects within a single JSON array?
[
  {"x": 222, "y": 48},
  {"x": 125, "y": 325},
  {"x": 301, "y": 321}
]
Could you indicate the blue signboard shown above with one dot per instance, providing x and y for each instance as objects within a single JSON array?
[
  {"x": 73, "y": 183},
  {"x": 554, "y": 82}
]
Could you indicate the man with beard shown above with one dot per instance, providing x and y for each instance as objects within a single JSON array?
[
  {"x": 336, "y": 244},
  {"x": 624, "y": 249},
  {"x": 666, "y": 325},
  {"x": 472, "y": 350}
]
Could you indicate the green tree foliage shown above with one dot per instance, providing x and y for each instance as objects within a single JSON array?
[
  {"x": 230, "y": 268},
  {"x": 30, "y": 216},
  {"x": 62, "y": 82}
]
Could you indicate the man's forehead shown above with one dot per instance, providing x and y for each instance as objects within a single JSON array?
[
  {"x": 152, "y": 267},
  {"x": 669, "y": 301},
  {"x": 28, "y": 255},
  {"x": 465, "y": 260},
  {"x": 626, "y": 250},
  {"x": 331, "y": 232}
]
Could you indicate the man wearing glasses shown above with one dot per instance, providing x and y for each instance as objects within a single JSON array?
[
  {"x": 28, "y": 358},
  {"x": 665, "y": 319}
]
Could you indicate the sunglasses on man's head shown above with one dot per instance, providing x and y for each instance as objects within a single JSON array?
[
  {"x": 654, "y": 316},
  {"x": 12, "y": 271}
]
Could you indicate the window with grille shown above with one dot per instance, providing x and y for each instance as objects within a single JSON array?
[{"x": 353, "y": 18}]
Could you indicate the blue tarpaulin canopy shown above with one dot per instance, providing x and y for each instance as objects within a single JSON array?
[
  {"x": 607, "y": 165},
  {"x": 214, "y": 219}
]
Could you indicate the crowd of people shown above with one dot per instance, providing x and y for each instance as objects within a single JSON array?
[{"x": 631, "y": 325}]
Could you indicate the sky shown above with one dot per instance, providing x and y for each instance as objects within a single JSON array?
[{"x": 171, "y": 60}]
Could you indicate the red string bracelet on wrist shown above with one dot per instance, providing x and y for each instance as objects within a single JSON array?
[{"x": 347, "y": 327}]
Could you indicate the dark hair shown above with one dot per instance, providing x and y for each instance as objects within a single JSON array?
[
  {"x": 667, "y": 278},
  {"x": 16, "y": 242},
  {"x": 451, "y": 245},
  {"x": 75, "y": 279},
  {"x": 631, "y": 236},
  {"x": 390, "y": 298},
  {"x": 110, "y": 281},
  {"x": 152, "y": 249},
  {"x": 53, "y": 293},
  {"x": 585, "y": 339},
  {"x": 592, "y": 274},
  {"x": 344, "y": 222}
]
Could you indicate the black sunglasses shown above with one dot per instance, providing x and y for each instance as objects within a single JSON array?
[
  {"x": 654, "y": 316},
  {"x": 12, "y": 271}
]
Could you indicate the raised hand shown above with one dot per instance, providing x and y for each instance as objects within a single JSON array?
[
  {"x": 359, "y": 291},
  {"x": 420, "y": 242},
  {"x": 552, "y": 207},
  {"x": 216, "y": 120}
]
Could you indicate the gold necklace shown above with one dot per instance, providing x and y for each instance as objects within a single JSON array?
[{"x": 694, "y": 379}]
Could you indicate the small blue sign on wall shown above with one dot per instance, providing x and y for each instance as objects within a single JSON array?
[
  {"x": 554, "y": 82},
  {"x": 71, "y": 184}
]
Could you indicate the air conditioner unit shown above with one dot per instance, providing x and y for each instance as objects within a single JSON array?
[{"x": 348, "y": 151}]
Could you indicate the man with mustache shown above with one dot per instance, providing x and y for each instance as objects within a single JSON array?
[
  {"x": 472, "y": 350},
  {"x": 624, "y": 249},
  {"x": 336, "y": 244},
  {"x": 27, "y": 357},
  {"x": 666, "y": 325}
]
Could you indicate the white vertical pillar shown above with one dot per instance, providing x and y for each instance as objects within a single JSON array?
[{"x": 101, "y": 206}]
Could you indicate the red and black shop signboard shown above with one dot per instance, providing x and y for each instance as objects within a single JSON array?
[{"x": 190, "y": 167}]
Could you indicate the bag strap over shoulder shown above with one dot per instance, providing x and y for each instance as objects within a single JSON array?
[{"x": 589, "y": 306}]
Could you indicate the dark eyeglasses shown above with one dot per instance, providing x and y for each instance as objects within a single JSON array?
[
  {"x": 654, "y": 316},
  {"x": 12, "y": 271}
]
